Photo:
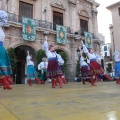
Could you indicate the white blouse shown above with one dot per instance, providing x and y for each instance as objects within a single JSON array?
[
  {"x": 43, "y": 65},
  {"x": 117, "y": 58},
  {"x": 29, "y": 62},
  {"x": 2, "y": 34},
  {"x": 49, "y": 54},
  {"x": 90, "y": 55},
  {"x": 82, "y": 62}
]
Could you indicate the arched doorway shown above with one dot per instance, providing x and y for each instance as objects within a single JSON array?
[{"x": 21, "y": 53}]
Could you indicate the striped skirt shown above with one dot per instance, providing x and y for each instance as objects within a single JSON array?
[
  {"x": 95, "y": 68},
  {"x": 85, "y": 71},
  {"x": 53, "y": 70},
  {"x": 5, "y": 65},
  {"x": 31, "y": 72}
]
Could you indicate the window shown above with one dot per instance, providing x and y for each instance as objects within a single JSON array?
[
  {"x": 57, "y": 19},
  {"x": 25, "y": 10},
  {"x": 119, "y": 11},
  {"x": 105, "y": 54},
  {"x": 105, "y": 48},
  {"x": 83, "y": 26}
]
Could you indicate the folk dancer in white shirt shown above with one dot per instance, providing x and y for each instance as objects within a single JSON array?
[
  {"x": 54, "y": 70},
  {"x": 95, "y": 67},
  {"x": 61, "y": 62},
  {"x": 5, "y": 65},
  {"x": 43, "y": 68},
  {"x": 31, "y": 72},
  {"x": 117, "y": 66},
  {"x": 104, "y": 74},
  {"x": 85, "y": 69}
]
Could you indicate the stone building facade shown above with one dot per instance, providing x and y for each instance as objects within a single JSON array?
[
  {"x": 77, "y": 15},
  {"x": 115, "y": 28}
]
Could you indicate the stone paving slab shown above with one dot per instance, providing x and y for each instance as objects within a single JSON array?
[{"x": 73, "y": 102}]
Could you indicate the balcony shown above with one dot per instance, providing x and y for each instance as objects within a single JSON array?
[
  {"x": 44, "y": 24},
  {"x": 81, "y": 33},
  {"x": 39, "y": 23}
]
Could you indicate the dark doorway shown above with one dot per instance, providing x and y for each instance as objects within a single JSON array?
[
  {"x": 57, "y": 19},
  {"x": 25, "y": 10},
  {"x": 83, "y": 26},
  {"x": 21, "y": 53}
]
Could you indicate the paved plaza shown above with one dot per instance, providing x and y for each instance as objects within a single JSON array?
[{"x": 73, "y": 102}]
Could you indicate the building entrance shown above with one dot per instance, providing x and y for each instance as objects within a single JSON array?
[{"x": 21, "y": 53}]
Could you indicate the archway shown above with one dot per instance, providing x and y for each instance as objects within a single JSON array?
[{"x": 21, "y": 53}]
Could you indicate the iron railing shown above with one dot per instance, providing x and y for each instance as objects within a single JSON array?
[
  {"x": 45, "y": 24},
  {"x": 39, "y": 23},
  {"x": 81, "y": 33}
]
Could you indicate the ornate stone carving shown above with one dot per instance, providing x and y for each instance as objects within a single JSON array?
[
  {"x": 58, "y": 4},
  {"x": 94, "y": 12},
  {"x": 83, "y": 13},
  {"x": 72, "y": 2},
  {"x": 85, "y": 4}
]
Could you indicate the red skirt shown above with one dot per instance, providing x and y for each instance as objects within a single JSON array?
[
  {"x": 95, "y": 68},
  {"x": 53, "y": 70},
  {"x": 85, "y": 71}
]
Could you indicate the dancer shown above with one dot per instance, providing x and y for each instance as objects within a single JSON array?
[
  {"x": 31, "y": 72},
  {"x": 43, "y": 67},
  {"x": 64, "y": 79},
  {"x": 60, "y": 63},
  {"x": 104, "y": 75},
  {"x": 5, "y": 65},
  {"x": 117, "y": 66},
  {"x": 54, "y": 70},
  {"x": 95, "y": 67},
  {"x": 85, "y": 69}
]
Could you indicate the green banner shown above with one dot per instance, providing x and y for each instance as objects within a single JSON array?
[
  {"x": 88, "y": 40},
  {"x": 28, "y": 29},
  {"x": 61, "y": 34}
]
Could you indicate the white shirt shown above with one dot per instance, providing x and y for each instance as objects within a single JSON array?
[
  {"x": 60, "y": 60},
  {"x": 2, "y": 35},
  {"x": 49, "y": 54},
  {"x": 29, "y": 62},
  {"x": 90, "y": 55},
  {"x": 117, "y": 58},
  {"x": 98, "y": 58},
  {"x": 43, "y": 65},
  {"x": 82, "y": 62}
]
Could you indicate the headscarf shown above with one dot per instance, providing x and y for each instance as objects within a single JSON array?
[
  {"x": 50, "y": 46},
  {"x": 3, "y": 18}
]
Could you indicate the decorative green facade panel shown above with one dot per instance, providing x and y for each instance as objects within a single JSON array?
[
  {"x": 88, "y": 40},
  {"x": 61, "y": 34},
  {"x": 28, "y": 29}
]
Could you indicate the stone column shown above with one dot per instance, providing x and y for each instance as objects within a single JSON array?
[
  {"x": 12, "y": 6},
  {"x": 3, "y": 5},
  {"x": 94, "y": 21},
  {"x": 72, "y": 13}
]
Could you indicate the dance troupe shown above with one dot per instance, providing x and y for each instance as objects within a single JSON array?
[
  {"x": 52, "y": 69},
  {"x": 90, "y": 68}
]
